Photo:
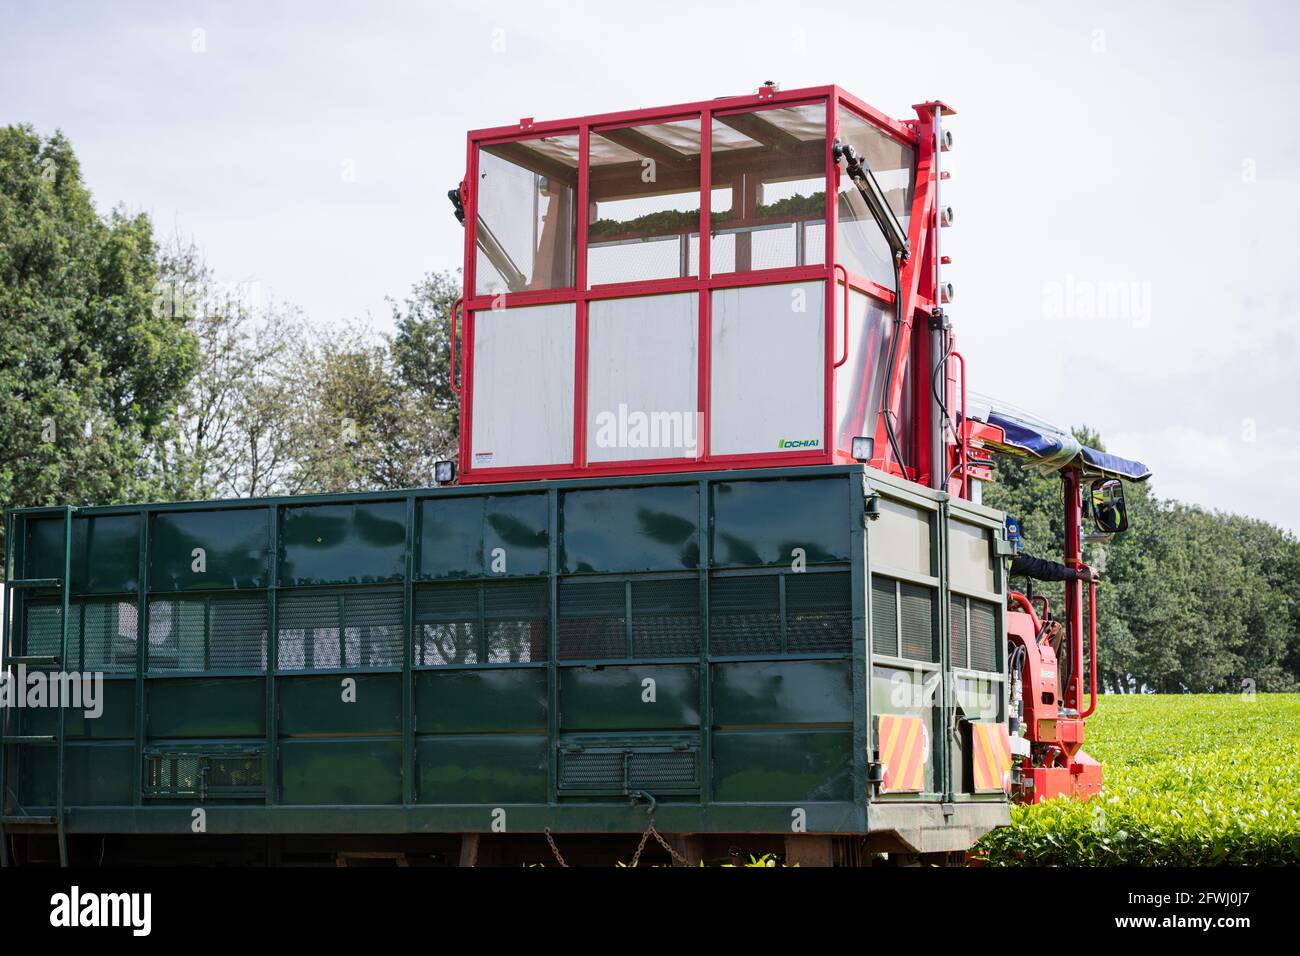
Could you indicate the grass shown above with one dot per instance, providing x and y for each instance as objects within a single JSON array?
[{"x": 1190, "y": 780}]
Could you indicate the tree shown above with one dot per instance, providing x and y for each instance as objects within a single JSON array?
[
  {"x": 362, "y": 428},
  {"x": 421, "y": 347},
  {"x": 89, "y": 370},
  {"x": 233, "y": 434}
]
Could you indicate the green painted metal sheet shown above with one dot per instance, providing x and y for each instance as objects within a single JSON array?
[
  {"x": 363, "y": 543},
  {"x": 206, "y": 707},
  {"x": 116, "y": 718},
  {"x": 748, "y": 693},
  {"x": 786, "y": 766},
  {"x": 325, "y": 772},
  {"x": 762, "y": 522},
  {"x": 456, "y": 701},
  {"x": 491, "y": 769},
  {"x": 474, "y": 536},
  {"x": 654, "y": 528},
  {"x": 328, "y": 704},
  {"x": 235, "y": 545},
  {"x": 95, "y": 774},
  {"x": 616, "y": 697},
  {"x": 105, "y": 552}
]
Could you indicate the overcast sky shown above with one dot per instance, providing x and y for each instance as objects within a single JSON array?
[{"x": 1124, "y": 175}]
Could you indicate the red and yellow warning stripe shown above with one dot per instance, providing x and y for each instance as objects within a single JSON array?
[
  {"x": 990, "y": 756},
  {"x": 903, "y": 746}
]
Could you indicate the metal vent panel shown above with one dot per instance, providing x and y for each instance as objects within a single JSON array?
[
  {"x": 984, "y": 637},
  {"x": 884, "y": 617}
]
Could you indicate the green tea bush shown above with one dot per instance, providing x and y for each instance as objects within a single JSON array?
[{"x": 1190, "y": 780}]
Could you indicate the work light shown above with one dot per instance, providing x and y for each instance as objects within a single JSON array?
[
  {"x": 864, "y": 449},
  {"x": 444, "y": 472}
]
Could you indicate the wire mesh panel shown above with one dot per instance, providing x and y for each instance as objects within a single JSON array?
[
  {"x": 237, "y": 633},
  {"x": 957, "y": 632},
  {"x": 591, "y": 771},
  {"x": 985, "y": 652},
  {"x": 819, "y": 612},
  {"x": 665, "y": 770},
  {"x": 489, "y": 622},
  {"x": 619, "y": 768},
  {"x": 204, "y": 773},
  {"x": 42, "y": 635},
  {"x": 744, "y": 615},
  {"x": 666, "y": 618},
  {"x": 207, "y": 633},
  {"x": 372, "y": 628},
  {"x": 320, "y": 630},
  {"x": 515, "y": 622},
  {"x": 449, "y": 625},
  {"x": 916, "y": 611},
  {"x": 176, "y": 634},
  {"x": 108, "y": 637},
  {"x": 593, "y": 619},
  {"x": 884, "y": 617}
]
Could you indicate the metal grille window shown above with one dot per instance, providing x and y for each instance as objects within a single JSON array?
[
  {"x": 916, "y": 613},
  {"x": 884, "y": 617},
  {"x": 666, "y": 618},
  {"x": 903, "y": 620},
  {"x": 639, "y": 618},
  {"x": 957, "y": 646},
  {"x": 615, "y": 768},
  {"x": 204, "y": 773},
  {"x": 808, "y": 613},
  {"x": 974, "y": 625},
  {"x": 593, "y": 619},
  {"x": 818, "y": 612},
  {"x": 985, "y": 651},
  {"x": 321, "y": 630},
  {"x": 101, "y": 634},
  {"x": 744, "y": 615},
  {"x": 221, "y": 632},
  {"x": 480, "y": 623}
]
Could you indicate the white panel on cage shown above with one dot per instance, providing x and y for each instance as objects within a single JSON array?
[
  {"x": 768, "y": 369},
  {"x": 523, "y": 386},
  {"x": 859, "y": 380},
  {"x": 643, "y": 375}
]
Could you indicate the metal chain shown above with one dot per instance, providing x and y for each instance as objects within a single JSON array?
[
  {"x": 554, "y": 849},
  {"x": 636, "y": 857}
]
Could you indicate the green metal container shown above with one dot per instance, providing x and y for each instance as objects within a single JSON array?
[{"x": 567, "y": 655}]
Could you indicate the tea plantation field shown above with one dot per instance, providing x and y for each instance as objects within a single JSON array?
[{"x": 1194, "y": 780}]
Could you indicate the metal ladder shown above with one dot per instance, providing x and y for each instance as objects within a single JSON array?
[{"x": 11, "y": 584}]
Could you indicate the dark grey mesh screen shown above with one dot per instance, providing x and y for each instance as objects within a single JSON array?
[
  {"x": 916, "y": 610},
  {"x": 819, "y": 612},
  {"x": 317, "y": 630},
  {"x": 984, "y": 650},
  {"x": 448, "y": 626},
  {"x": 226, "y": 632},
  {"x": 372, "y": 628},
  {"x": 666, "y": 618},
  {"x": 177, "y": 632},
  {"x": 237, "y": 633},
  {"x": 957, "y": 631},
  {"x": 744, "y": 615},
  {"x": 884, "y": 616},
  {"x": 593, "y": 619},
  {"x": 101, "y": 634},
  {"x": 591, "y": 771},
  {"x": 307, "y": 626},
  {"x": 42, "y": 634},
  {"x": 515, "y": 616},
  {"x": 673, "y": 770},
  {"x": 203, "y": 774}
]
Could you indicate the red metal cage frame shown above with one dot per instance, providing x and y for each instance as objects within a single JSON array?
[{"x": 919, "y": 284}]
